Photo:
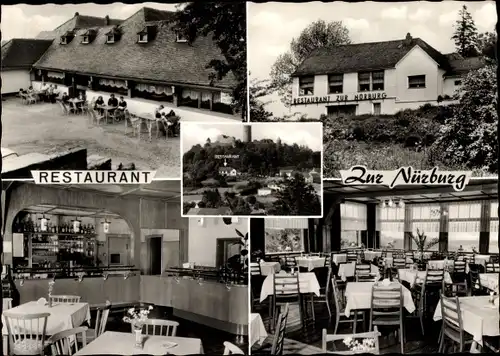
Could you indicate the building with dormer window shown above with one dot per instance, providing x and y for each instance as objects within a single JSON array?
[{"x": 377, "y": 78}]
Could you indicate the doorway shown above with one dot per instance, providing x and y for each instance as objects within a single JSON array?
[
  {"x": 154, "y": 254},
  {"x": 226, "y": 248}
]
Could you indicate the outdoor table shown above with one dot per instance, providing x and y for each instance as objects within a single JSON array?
[
  {"x": 308, "y": 283},
  {"x": 339, "y": 258},
  {"x": 117, "y": 343},
  {"x": 149, "y": 119},
  {"x": 417, "y": 277},
  {"x": 267, "y": 268},
  {"x": 371, "y": 255},
  {"x": 310, "y": 262},
  {"x": 106, "y": 109},
  {"x": 258, "y": 331},
  {"x": 479, "y": 318},
  {"x": 489, "y": 280},
  {"x": 347, "y": 270},
  {"x": 359, "y": 296}
]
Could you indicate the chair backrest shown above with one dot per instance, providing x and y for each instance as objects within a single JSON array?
[
  {"x": 352, "y": 256},
  {"x": 374, "y": 335},
  {"x": 102, "y": 319},
  {"x": 158, "y": 326},
  {"x": 475, "y": 280},
  {"x": 434, "y": 276},
  {"x": 386, "y": 301},
  {"x": 495, "y": 259},
  {"x": 255, "y": 269},
  {"x": 328, "y": 260},
  {"x": 409, "y": 254},
  {"x": 492, "y": 267},
  {"x": 62, "y": 343},
  {"x": 279, "y": 336},
  {"x": 65, "y": 298},
  {"x": 26, "y": 332},
  {"x": 232, "y": 349},
  {"x": 286, "y": 285},
  {"x": 362, "y": 272},
  {"x": 452, "y": 317},
  {"x": 399, "y": 262},
  {"x": 459, "y": 266},
  {"x": 290, "y": 261},
  {"x": 6, "y": 303},
  {"x": 337, "y": 296}
]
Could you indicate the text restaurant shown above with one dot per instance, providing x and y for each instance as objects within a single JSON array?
[
  {"x": 116, "y": 268},
  {"x": 378, "y": 78},
  {"x": 399, "y": 270},
  {"x": 140, "y": 58}
]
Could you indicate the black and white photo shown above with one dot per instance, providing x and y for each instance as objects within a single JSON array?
[
  {"x": 395, "y": 85},
  {"x": 252, "y": 169}
]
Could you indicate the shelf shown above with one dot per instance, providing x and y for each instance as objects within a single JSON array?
[{"x": 59, "y": 234}]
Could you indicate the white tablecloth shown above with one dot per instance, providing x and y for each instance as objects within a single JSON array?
[
  {"x": 310, "y": 262},
  {"x": 62, "y": 315},
  {"x": 347, "y": 270},
  {"x": 308, "y": 283},
  {"x": 359, "y": 294},
  {"x": 412, "y": 276},
  {"x": 479, "y": 317},
  {"x": 111, "y": 342},
  {"x": 339, "y": 258},
  {"x": 268, "y": 268},
  {"x": 371, "y": 255},
  {"x": 482, "y": 259},
  {"x": 489, "y": 280},
  {"x": 258, "y": 331}
]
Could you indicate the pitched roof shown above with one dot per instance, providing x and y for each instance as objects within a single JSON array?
[
  {"x": 22, "y": 52},
  {"x": 464, "y": 65},
  {"x": 226, "y": 169},
  {"x": 161, "y": 60},
  {"x": 364, "y": 57}
]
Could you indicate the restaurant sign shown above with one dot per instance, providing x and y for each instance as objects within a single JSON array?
[{"x": 330, "y": 99}]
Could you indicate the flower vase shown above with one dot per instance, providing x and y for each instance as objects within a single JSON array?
[{"x": 138, "y": 338}]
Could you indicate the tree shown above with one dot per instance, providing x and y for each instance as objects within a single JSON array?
[
  {"x": 465, "y": 35},
  {"x": 226, "y": 23},
  {"x": 296, "y": 197},
  {"x": 470, "y": 136},
  {"x": 486, "y": 44},
  {"x": 257, "y": 90},
  {"x": 318, "y": 34},
  {"x": 212, "y": 198}
]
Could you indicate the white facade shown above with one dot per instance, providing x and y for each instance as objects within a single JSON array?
[
  {"x": 231, "y": 173},
  {"x": 395, "y": 96},
  {"x": 13, "y": 80},
  {"x": 264, "y": 191}
]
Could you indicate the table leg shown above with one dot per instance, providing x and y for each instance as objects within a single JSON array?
[
  {"x": 157, "y": 128},
  {"x": 150, "y": 128}
]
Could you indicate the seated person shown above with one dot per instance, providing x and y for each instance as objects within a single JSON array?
[
  {"x": 113, "y": 102},
  {"x": 30, "y": 90},
  {"x": 98, "y": 105},
  {"x": 171, "y": 120},
  {"x": 122, "y": 106},
  {"x": 22, "y": 91},
  {"x": 65, "y": 98},
  {"x": 158, "y": 111}
]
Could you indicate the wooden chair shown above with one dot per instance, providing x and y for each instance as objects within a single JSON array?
[
  {"x": 476, "y": 287},
  {"x": 6, "y": 303},
  {"x": 352, "y": 256},
  {"x": 492, "y": 267},
  {"x": 332, "y": 338},
  {"x": 325, "y": 291},
  {"x": 63, "y": 343},
  {"x": 255, "y": 269},
  {"x": 279, "y": 336},
  {"x": 340, "y": 306},
  {"x": 290, "y": 262},
  {"x": 286, "y": 292},
  {"x": 100, "y": 323},
  {"x": 398, "y": 263},
  {"x": 27, "y": 333},
  {"x": 158, "y": 325},
  {"x": 65, "y": 299},
  {"x": 387, "y": 308},
  {"x": 458, "y": 289},
  {"x": 231, "y": 349},
  {"x": 328, "y": 260},
  {"x": 362, "y": 273},
  {"x": 63, "y": 107},
  {"x": 452, "y": 324}
]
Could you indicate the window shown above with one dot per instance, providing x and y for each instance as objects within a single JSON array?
[
  {"x": 493, "y": 246},
  {"x": 284, "y": 240},
  {"x": 416, "y": 81},
  {"x": 143, "y": 38},
  {"x": 306, "y": 85},
  {"x": 464, "y": 226},
  {"x": 110, "y": 39},
  {"x": 353, "y": 221},
  {"x": 425, "y": 218},
  {"x": 458, "y": 82},
  {"x": 377, "y": 108},
  {"x": 64, "y": 40},
  {"x": 181, "y": 38},
  {"x": 335, "y": 83},
  {"x": 371, "y": 80},
  {"x": 390, "y": 223},
  {"x": 85, "y": 40}
]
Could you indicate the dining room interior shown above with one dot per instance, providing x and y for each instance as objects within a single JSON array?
[
  {"x": 412, "y": 269},
  {"x": 115, "y": 269}
]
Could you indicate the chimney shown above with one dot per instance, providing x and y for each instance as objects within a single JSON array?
[
  {"x": 408, "y": 39},
  {"x": 77, "y": 14},
  {"x": 247, "y": 133},
  {"x": 107, "y": 20}
]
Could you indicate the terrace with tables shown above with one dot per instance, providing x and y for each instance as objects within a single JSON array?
[
  {"x": 78, "y": 259},
  {"x": 365, "y": 268}
]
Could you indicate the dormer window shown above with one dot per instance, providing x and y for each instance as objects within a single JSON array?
[
  {"x": 143, "y": 38},
  {"x": 181, "y": 38},
  {"x": 110, "y": 38},
  {"x": 85, "y": 40},
  {"x": 89, "y": 36},
  {"x": 64, "y": 40},
  {"x": 113, "y": 36},
  {"x": 67, "y": 37}
]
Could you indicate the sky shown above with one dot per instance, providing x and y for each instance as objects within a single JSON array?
[
  {"x": 308, "y": 134},
  {"x": 272, "y": 26},
  {"x": 26, "y": 21}
]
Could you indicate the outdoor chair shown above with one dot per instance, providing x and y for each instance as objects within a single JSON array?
[{"x": 135, "y": 123}]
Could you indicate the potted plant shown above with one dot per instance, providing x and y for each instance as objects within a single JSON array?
[{"x": 420, "y": 240}]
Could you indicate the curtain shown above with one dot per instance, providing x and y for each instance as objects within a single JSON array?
[
  {"x": 206, "y": 96},
  {"x": 113, "y": 83},
  {"x": 190, "y": 93},
  {"x": 494, "y": 217},
  {"x": 155, "y": 89},
  {"x": 353, "y": 217},
  {"x": 56, "y": 75},
  {"x": 217, "y": 97},
  {"x": 299, "y": 223}
]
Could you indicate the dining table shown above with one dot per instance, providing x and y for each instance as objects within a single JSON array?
[
  {"x": 106, "y": 109},
  {"x": 308, "y": 283},
  {"x": 489, "y": 281},
  {"x": 269, "y": 267},
  {"x": 120, "y": 343},
  {"x": 339, "y": 258},
  {"x": 310, "y": 262},
  {"x": 150, "y": 120},
  {"x": 347, "y": 270},
  {"x": 258, "y": 331},
  {"x": 413, "y": 276},
  {"x": 480, "y": 318}
]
